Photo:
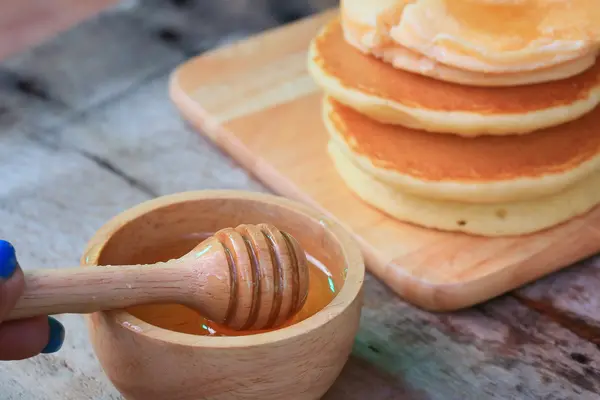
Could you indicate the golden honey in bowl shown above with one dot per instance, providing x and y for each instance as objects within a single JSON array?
[{"x": 179, "y": 318}]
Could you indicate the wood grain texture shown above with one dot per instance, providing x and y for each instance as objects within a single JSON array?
[
  {"x": 257, "y": 102},
  {"x": 114, "y": 132}
]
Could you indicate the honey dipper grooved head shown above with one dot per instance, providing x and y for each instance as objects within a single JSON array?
[{"x": 268, "y": 276}]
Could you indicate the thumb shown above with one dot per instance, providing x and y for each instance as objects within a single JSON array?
[
  {"x": 12, "y": 281},
  {"x": 22, "y": 338}
]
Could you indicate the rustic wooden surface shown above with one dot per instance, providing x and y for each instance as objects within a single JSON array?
[
  {"x": 256, "y": 100},
  {"x": 87, "y": 130}
]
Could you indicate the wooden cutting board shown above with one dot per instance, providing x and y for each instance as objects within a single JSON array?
[{"x": 256, "y": 101}]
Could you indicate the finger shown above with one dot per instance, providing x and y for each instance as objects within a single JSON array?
[
  {"x": 8, "y": 259},
  {"x": 25, "y": 338},
  {"x": 29, "y": 337},
  {"x": 56, "y": 338},
  {"x": 11, "y": 279},
  {"x": 10, "y": 291}
]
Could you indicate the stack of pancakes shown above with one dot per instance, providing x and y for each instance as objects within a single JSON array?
[{"x": 479, "y": 116}]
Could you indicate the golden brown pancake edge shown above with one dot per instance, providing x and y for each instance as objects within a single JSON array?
[{"x": 367, "y": 74}]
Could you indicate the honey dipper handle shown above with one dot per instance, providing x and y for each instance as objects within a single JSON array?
[{"x": 86, "y": 290}]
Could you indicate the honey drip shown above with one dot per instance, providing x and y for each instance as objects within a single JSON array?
[
  {"x": 519, "y": 22},
  {"x": 179, "y": 318}
]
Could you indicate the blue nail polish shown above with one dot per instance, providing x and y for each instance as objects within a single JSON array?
[
  {"x": 57, "y": 336},
  {"x": 8, "y": 260}
]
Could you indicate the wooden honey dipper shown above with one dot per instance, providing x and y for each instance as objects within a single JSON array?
[{"x": 248, "y": 278}]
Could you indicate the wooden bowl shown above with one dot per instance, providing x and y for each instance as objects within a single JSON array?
[{"x": 298, "y": 362}]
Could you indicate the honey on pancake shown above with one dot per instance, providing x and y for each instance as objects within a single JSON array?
[
  {"x": 179, "y": 318},
  {"x": 480, "y": 43},
  {"x": 519, "y": 22},
  {"x": 498, "y": 18},
  {"x": 375, "y": 40},
  {"x": 501, "y": 35}
]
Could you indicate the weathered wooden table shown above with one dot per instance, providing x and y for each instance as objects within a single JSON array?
[{"x": 87, "y": 130}]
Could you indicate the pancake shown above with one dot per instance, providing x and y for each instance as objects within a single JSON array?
[
  {"x": 394, "y": 96},
  {"x": 368, "y": 32},
  {"x": 501, "y": 219},
  {"x": 500, "y": 35},
  {"x": 486, "y": 169}
]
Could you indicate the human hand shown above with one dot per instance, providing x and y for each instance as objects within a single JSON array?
[{"x": 26, "y": 338}]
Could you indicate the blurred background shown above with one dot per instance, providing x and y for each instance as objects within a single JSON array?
[{"x": 26, "y": 23}]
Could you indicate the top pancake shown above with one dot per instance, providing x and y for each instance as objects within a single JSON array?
[
  {"x": 394, "y": 96},
  {"x": 483, "y": 169},
  {"x": 499, "y": 35},
  {"x": 368, "y": 27}
]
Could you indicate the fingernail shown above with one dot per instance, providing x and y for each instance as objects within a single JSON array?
[
  {"x": 8, "y": 260},
  {"x": 57, "y": 336}
]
